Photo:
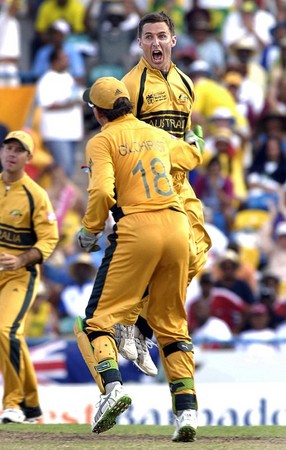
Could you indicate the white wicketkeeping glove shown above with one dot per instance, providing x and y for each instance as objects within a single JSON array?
[
  {"x": 88, "y": 241},
  {"x": 196, "y": 138}
]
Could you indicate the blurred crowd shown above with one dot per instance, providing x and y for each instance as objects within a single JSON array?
[{"x": 235, "y": 54}]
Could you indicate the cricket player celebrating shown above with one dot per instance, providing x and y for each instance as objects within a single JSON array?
[
  {"x": 129, "y": 174},
  {"x": 162, "y": 95}
]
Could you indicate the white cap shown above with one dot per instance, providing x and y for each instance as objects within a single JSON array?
[
  {"x": 222, "y": 113},
  {"x": 200, "y": 66},
  {"x": 61, "y": 25},
  {"x": 281, "y": 229},
  {"x": 246, "y": 43}
]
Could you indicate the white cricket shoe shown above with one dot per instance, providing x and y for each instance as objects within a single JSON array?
[
  {"x": 144, "y": 361},
  {"x": 12, "y": 415},
  {"x": 109, "y": 407},
  {"x": 186, "y": 426},
  {"x": 124, "y": 336}
]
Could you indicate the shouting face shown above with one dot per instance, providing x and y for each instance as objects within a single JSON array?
[{"x": 157, "y": 42}]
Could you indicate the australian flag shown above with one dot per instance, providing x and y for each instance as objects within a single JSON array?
[{"x": 60, "y": 361}]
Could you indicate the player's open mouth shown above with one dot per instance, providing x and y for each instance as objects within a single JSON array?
[{"x": 157, "y": 56}]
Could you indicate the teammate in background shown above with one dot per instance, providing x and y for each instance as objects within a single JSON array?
[
  {"x": 28, "y": 236},
  {"x": 129, "y": 174},
  {"x": 162, "y": 95}
]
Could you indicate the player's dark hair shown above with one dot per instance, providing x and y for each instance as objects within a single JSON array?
[
  {"x": 122, "y": 106},
  {"x": 155, "y": 17}
]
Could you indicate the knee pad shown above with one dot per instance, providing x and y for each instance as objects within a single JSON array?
[
  {"x": 104, "y": 348},
  {"x": 177, "y": 346}
]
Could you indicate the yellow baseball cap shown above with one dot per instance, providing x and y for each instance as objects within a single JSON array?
[
  {"x": 105, "y": 91},
  {"x": 24, "y": 138},
  {"x": 248, "y": 6}
]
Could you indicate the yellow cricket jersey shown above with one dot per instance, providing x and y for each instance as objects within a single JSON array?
[
  {"x": 129, "y": 168},
  {"x": 163, "y": 102},
  {"x": 166, "y": 102},
  {"x": 27, "y": 218},
  {"x": 210, "y": 95}
]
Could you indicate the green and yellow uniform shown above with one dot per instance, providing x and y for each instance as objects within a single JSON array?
[
  {"x": 166, "y": 102},
  {"x": 27, "y": 220},
  {"x": 129, "y": 167}
]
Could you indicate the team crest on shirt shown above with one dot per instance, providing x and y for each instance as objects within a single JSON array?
[
  {"x": 16, "y": 213},
  {"x": 183, "y": 99},
  {"x": 156, "y": 97}
]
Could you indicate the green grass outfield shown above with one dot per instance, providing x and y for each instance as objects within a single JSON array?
[{"x": 149, "y": 437}]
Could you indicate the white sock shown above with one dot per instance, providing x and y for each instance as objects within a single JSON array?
[{"x": 110, "y": 386}]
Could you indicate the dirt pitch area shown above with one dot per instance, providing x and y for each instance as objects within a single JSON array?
[{"x": 15, "y": 440}]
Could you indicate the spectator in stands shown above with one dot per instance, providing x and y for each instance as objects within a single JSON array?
[
  {"x": 232, "y": 80},
  {"x": 114, "y": 38},
  {"x": 96, "y": 14},
  {"x": 57, "y": 37},
  {"x": 247, "y": 20},
  {"x": 259, "y": 338},
  {"x": 185, "y": 56},
  {"x": 266, "y": 176},
  {"x": 42, "y": 318},
  {"x": 233, "y": 295},
  {"x": 271, "y": 123},
  {"x": 205, "y": 286},
  {"x": 68, "y": 201},
  {"x": 242, "y": 58},
  {"x": 271, "y": 52},
  {"x": 211, "y": 95},
  {"x": 41, "y": 157},
  {"x": 219, "y": 244},
  {"x": 274, "y": 300},
  {"x": 61, "y": 119},
  {"x": 72, "y": 11},
  {"x": 10, "y": 44},
  {"x": 226, "y": 145},
  {"x": 206, "y": 329},
  {"x": 272, "y": 243},
  {"x": 279, "y": 10},
  {"x": 276, "y": 75},
  {"x": 268, "y": 297},
  {"x": 276, "y": 98},
  {"x": 74, "y": 297},
  {"x": 270, "y": 280},
  {"x": 200, "y": 35},
  {"x": 245, "y": 271},
  {"x": 211, "y": 332},
  {"x": 216, "y": 191}
]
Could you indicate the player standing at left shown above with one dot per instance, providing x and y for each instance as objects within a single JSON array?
[{"x": 28, "y": 236}]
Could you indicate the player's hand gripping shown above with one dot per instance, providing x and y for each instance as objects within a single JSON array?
[
  {"x": 88, "y": 241},
  {"x": 196, "y": 138}
]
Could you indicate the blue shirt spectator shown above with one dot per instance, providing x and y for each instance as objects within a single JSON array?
[{"x": 58, "y": 37}]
